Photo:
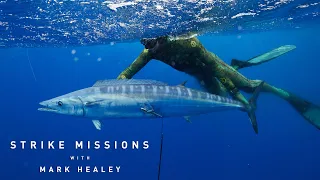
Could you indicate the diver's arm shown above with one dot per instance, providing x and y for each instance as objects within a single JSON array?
[{"x": 136, "y": 66}]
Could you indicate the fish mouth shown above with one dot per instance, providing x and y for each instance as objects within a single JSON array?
[{"x": 46, "y": 108}]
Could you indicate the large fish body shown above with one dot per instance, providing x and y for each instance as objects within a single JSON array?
[{"x": 137, "y": 99}]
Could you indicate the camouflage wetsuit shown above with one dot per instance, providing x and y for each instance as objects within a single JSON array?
[{"x": 189, "y": 56}]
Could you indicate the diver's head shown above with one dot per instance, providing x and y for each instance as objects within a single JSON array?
[
  {"x": 149, "y": 43},
  {"x": 68, "y": 105},
  {"x": 154, "y": 43}
]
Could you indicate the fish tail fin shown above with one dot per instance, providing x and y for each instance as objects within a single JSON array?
[{"x": 253, "y": 106}]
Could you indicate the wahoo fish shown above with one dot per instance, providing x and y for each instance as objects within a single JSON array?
[{"x": 133, "y": 98}]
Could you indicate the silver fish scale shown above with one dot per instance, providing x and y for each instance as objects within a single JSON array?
[{"x": 158, "y": 91}]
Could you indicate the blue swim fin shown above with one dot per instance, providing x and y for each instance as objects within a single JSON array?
[
  {"x": 308, "y": 110},
  {"x": 268, "y": 56}
]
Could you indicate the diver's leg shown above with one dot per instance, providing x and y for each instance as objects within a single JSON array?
[
  {"x": 213, "y": 86},
  {"x": 237, "y": 64},
  {"x": 308, "y": 110}
]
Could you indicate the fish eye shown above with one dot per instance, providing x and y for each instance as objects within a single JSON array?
[{"x": 60, "y": 103}]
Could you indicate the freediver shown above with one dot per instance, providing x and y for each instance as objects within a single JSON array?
[{"x": 190, "y": 56}]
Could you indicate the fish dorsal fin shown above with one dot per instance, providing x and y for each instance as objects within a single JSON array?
[
  {"x": 183, "y": 84},
  {"x": 112, "y": 82}
]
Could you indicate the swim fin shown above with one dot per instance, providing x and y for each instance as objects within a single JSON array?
[
  {"x": 237, "y": 64},
  {"x": 309, "y": 111},
  {"x": 253, "y": 106}
]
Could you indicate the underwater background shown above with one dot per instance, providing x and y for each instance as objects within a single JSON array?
[{"x": 220, "y": 145}]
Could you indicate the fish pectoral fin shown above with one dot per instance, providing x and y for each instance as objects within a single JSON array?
[
  {"x": 187, "y": 118},
  {"x": 97, "y": 124},
  {"x": 93, "y": 103},
  {"x": 149, "y": 109}
]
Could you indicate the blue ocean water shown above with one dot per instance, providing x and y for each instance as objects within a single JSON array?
[{"x": 221, "y": 145}]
